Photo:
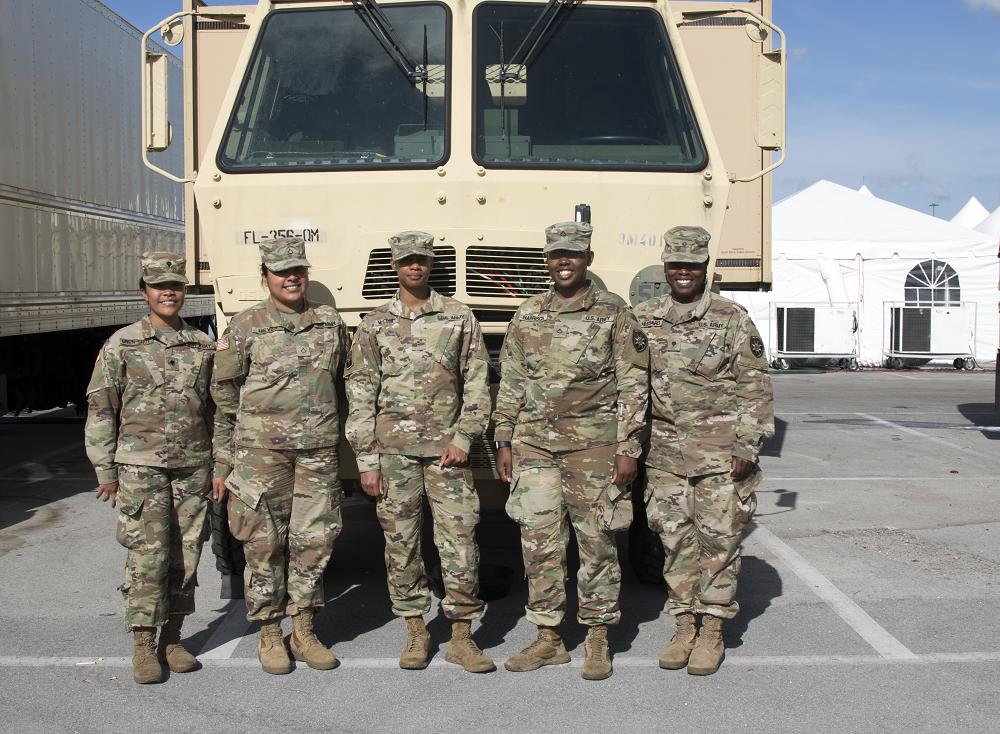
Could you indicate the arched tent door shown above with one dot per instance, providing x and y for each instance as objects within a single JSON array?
[{"x": 932, "y": 283}]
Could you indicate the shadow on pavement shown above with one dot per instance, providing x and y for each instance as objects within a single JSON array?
[
  {"x": 759, "y": 584},
  {"x": 774, "y": 445},
  {"x": 982, "y": 414}
]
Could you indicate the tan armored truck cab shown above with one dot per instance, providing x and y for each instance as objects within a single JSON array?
[
  {"x": 478, "y": 121},
  {"x": 482, "y": 122}
]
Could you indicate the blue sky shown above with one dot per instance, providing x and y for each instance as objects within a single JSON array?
[{"x": 903, "y": 95}]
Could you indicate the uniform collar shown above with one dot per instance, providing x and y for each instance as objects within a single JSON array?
[
  {"x": 306, "y": 319},
  {"x": 698, "y": 312},
  {"x": 180, "y": 336},
  {"x": 583, "y": 302},
  {"x": 434, "y": 304}
]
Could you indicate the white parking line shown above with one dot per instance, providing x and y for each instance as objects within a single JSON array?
[
  {"x": 621, "y": 661},
  {"x": 871, "y": 631},
  {"x": 913, "y": 432}
]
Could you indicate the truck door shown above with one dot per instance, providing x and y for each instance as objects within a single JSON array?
[{"x": 724, "y": 52}]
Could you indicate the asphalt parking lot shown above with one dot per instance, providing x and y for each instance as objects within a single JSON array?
[{"x": 869, "y": 592}]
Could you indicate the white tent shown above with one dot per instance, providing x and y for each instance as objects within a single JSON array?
[
  {"x": 970, "y": 215},
  {"x": 832, "y": 244},
  {"x": 865, "y": 190},
  {"x": 990, "y": 225}
]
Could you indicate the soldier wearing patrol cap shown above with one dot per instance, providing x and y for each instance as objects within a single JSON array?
[
  {"x": 712, "y": 409},
  {"x": 276, "y": 434},
  {"x": 148, "y": 436},
  {"x": 570, "y": 412},
  {"x": 417, "y": 381}
]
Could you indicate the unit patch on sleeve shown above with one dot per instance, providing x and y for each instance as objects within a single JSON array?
[
  {"x": 756, "y": 346},
  {"x": 639, "y": 341}
]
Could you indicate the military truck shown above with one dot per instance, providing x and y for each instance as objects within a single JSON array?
[{"x": 480, "y": 121}]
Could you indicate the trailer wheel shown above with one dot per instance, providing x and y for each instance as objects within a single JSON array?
[
  {"x": 852, "y": 364},
  {"x": 228, "y": 551},
  {"x": 969, "y": 363},
  {"x": 958, "y": 363},
  {"x": 780, "y": 364}
]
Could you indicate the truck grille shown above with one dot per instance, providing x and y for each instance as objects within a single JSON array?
[
  {"x": 505, "y": 272},
  {"x": 381, "y": 282}
]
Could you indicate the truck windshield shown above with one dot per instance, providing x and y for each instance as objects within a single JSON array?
[
  {"x": 322, "y": 93},
  {"x": 602, "y": 90}
]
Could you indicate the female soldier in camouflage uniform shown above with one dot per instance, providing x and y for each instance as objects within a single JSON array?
[
  {"x": 276, "y": 434},
  {"x": 712, "y": 410},
  {"x": 147, "y": 435}
]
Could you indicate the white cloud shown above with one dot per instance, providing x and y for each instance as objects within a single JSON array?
[{"x": 991, "y": 5}]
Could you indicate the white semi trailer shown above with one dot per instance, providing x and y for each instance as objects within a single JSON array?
[{"x": 76, "y": 203}]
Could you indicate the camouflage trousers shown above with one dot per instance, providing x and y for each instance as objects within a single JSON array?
[
  {"x": 285, "y": 508},
  {"x": 162, "y": 521},
  {"x": 547, "y": 489},
  {"x": 700, "y": 521},
  {"x": 454, "y": 506}
]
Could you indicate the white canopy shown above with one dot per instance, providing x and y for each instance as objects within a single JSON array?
[
  {"x": 990, "y": 225},
  {"x": 865, "y": 190},
  {"x": 832, "y": 244},
  {"x": 971, "y": 214}
]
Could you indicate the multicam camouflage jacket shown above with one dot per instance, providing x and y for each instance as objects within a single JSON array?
[
  {"x": 149, "y": 400},
  {"x": 574, "y": 375},
  {"x": 711, "y": 395},
  {"x": 274, "y": 381},
  {"x": 416, "y": 381}
]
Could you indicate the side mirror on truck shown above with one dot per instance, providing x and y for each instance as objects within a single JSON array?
[{"x": 156, "y": 130}]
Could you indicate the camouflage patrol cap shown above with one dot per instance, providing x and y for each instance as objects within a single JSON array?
[
  {"x": 163, "y": 267},
  {"x": 283, "y": 253},
  {"x": 568, "y": 236},
  {"x": 685, "y": 245},
  {"x": 411, "y": 242}
]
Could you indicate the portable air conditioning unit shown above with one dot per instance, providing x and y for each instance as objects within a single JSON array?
[
  {"x": 930, "y": 332},
  {"x": 815, "y": 331}
]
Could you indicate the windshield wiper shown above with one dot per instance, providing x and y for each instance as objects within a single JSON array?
[
  {"x": 549, "y": 13},
  {"x": 376, "y": 21}
]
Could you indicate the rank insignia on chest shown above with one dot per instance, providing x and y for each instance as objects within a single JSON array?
[
  {"x": 222, "y": 344},
  {"x": 639, "y": 341},
  {"x": 598, "y": 319},
  {"x": 650, "y": 323},
  {"x": 534, "y": 317},
  {"x": 756, "y": 346}
]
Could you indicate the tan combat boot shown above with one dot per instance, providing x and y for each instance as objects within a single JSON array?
[
  {"x": 708, "y": 650},
  {"x": 462, "y": 650},
  {"x": 597, "y": 664},
  {"x": 548, "y": 649},
  {"x": 306, "y": 647},
  {"x": 271, "y": 651},
  {"x": 675, "y": 655},
  {"x": 145, "y": 667},
  {"x": 169, "y": 649},
  {"x": 417, "y": 651}
]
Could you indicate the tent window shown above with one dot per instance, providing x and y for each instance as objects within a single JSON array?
[{"x": 932, "y": 283}]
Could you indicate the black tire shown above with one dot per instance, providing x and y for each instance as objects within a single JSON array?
[
  {"x": 645, "y": 551},
  {"x": 228, "y": 551}
]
